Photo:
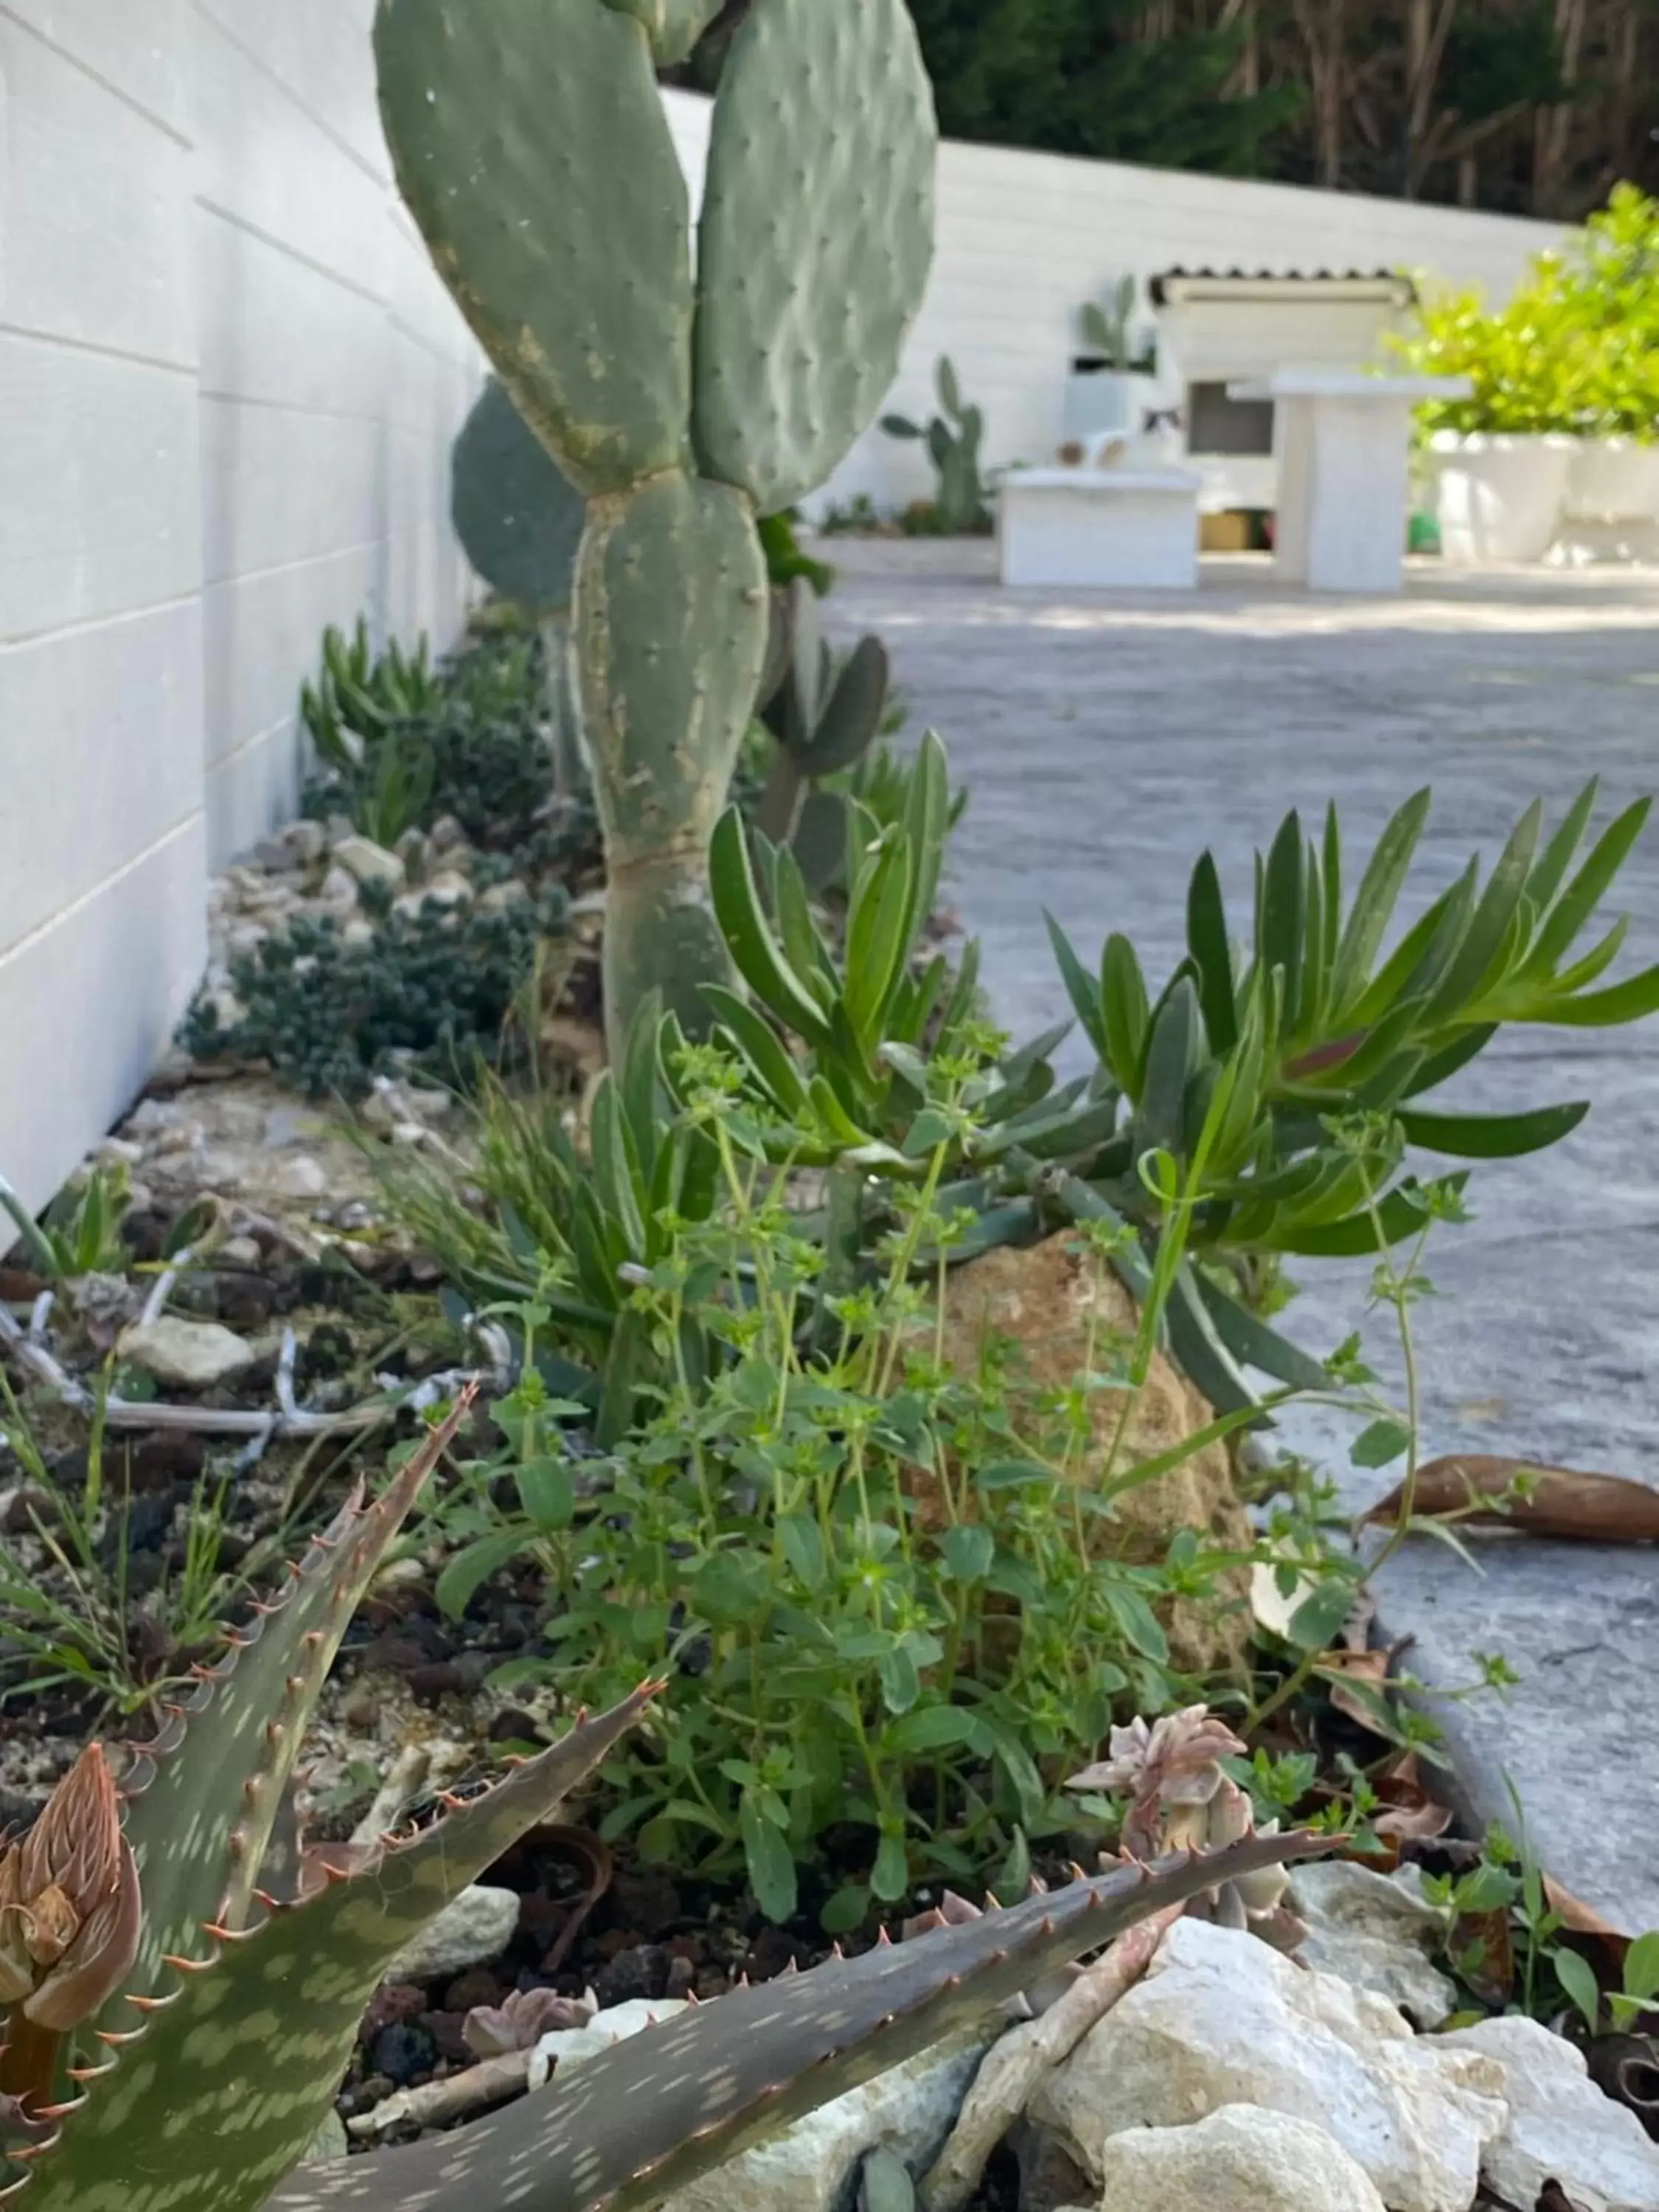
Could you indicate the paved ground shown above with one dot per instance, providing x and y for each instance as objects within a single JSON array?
[{"x": 1107, "y": 740}]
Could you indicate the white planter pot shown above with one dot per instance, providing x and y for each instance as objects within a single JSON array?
[
  {"x": 1614, "y": 480},
  {"x": 1101, "y": 400},
  {"x": 1499, "y": 498}
]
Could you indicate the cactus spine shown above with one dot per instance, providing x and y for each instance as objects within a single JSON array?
[{"x": 531, "y": 146}]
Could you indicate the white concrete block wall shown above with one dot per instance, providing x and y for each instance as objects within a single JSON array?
[
  {"x": 228, "y": 383},
  {"x": 1025, "y": 239}
]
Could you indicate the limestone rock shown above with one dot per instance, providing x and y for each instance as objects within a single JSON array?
[
  {"x": 472, "y": 1929},
  {"x": 340, "y": 889},
  {"x": 186, "y": 1355},
  {"x": 367, "y": 862},
  {"x": 1240, "y": 2155},
  {"x": 1059, "y": 1312},
  {"x": 1374, "y": 1931},
  {"x": 813, "y": 2167},
  {"x": 306, "y": 841},
  {"x": 446, "y": 892},
  {"x": 1221, "y": 2019},
  {"x": 562, "y": 2048},
  {"x": 1560, "y": 2126}
]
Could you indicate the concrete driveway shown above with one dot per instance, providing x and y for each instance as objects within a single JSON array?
[{"x": 1107, "y": 740}]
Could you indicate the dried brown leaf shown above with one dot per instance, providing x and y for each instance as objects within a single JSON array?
[{"x": 1562, "y": 1501}]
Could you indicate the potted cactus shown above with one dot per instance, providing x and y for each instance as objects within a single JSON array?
[{"x": 1113, "y": 378}]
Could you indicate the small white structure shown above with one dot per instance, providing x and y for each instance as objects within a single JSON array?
[
  {"x": 1220, "y": 330},
  {"x": 1344, "y": 469},
  {"x": 1110, "y": 529}
]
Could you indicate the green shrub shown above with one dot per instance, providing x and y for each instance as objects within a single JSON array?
[
  {"x": 434, "y": 989},
  {"x": 1574, "y": 350}
]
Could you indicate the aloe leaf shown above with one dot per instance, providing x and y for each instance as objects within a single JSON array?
[
  {"x": 1331, "y": 871},
  {"x": 1282, "y": 919},
  {"x": 206, "y": 1794},
  {"x": 804, "y": 950},
  {"x": 1172, "y": 1061},
  {"x": 1492, "y": 1136},
  {"x": 222, "y": 2089},
  {"x": 926, "y": 822},
  {"x": 1442, "y": 1065},
  {"x": 1253, "y": 1344},
  {"x": 615, "y": 1169},
  {"x": 1207, "y": 940},
  {"x": 1080, "y": 988},
  {"x": 1202, "y": 1356},
  {"x": 652, "y": 2114},
  {"x": 1490, "y": 923},
  {"x": 748, "y": 936},
  {"x": 1596, "y": 961},
  {"x": 1125, "y": 1013},
  {"x": 761, "y": 1046},
  {"x": 1376, "y": 899},
  {"x": 1557, "y": 856},
  {"x": 875, "y": 946},
  {"x": 1420, "y": 958},
  {"x": 1316, "y": 975},
  {"x": 1562, "y": 924},
  {"x": 1402, "y": 1213},
  {"x": 1632, "y": 1000}
]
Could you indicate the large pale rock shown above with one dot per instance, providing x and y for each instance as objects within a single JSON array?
[
  {"x": 1560, "y": 2126},
  {"x": 1376, "y": 1931},
  {"x": 368, "y": 863},
  {"x": 185, "y": 1355},
  {"x": 472, "y": 1929},
  {"x": 1240, "y": 2155},
  {"x": 1061, "y": 1315},
  {"x": 1221, "y": 2019},
  {"x": 814, "y": 2166}
]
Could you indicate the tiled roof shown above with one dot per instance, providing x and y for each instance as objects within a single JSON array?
[{"x": 1391, "y": 277}]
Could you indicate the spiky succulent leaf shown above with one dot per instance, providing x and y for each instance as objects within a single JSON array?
[
  {"x": 650, "y": 2115},
  {"x": 227, "y": 2082},
  {"x": 205, "y": 1795}
]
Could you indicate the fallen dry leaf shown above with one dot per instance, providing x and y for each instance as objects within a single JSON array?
[
  {"x": 1595, "y": 1509},
  {"x": 1410, "y": 1814},
  {"x": 1481, "y": 1945}
]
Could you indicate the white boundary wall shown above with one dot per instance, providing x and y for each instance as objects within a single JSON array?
[
  {"x": 228, "y": 381},
  {"x": 1025, "y": 239}
]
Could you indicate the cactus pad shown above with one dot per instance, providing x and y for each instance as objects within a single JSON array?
[
  {"x": 816, "y": 238},
  {"x": 518, "y": 517},
  {"x": 673, "y": 613},
  {"x": 530, "y": 145},
  {"x": 673, "y": 27}
]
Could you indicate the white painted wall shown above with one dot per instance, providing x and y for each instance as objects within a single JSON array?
[
  {"x": 1025, "y": 239},
  {"x": 228, "y": 381}
]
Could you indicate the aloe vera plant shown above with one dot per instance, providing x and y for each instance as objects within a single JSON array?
[{"x": 181, "y": 1977}]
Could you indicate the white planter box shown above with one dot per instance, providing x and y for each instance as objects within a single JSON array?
[
  {"x": 1105, "y": 529},
  {"x": 1499, "y": 498},
  {"x": 1612, "y": 504},
  {"x": 1101, "y": 400}
]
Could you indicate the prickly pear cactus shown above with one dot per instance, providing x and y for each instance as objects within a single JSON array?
[
  {"x": 520, "y": 520},
  {"x": 531, "y": 146},
  {"x": 518, "y": 517}
]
